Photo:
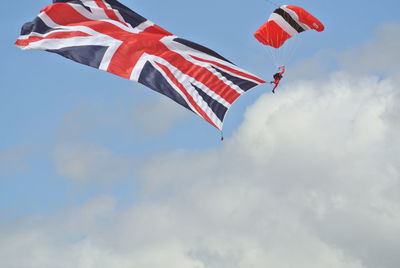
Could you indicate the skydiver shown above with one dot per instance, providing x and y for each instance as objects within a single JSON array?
[{"x": 277, "y": 77}]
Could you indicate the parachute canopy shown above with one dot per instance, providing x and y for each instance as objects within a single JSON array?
[{"x": 284, "y": 23}]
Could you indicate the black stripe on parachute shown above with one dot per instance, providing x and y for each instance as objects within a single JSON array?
[{"x": 286, "y": 16}]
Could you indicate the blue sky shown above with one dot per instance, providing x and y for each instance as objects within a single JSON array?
[{"x": 73, "y": 139}]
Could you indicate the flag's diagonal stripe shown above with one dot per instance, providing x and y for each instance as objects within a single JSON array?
[
  {"x": 217, "y": 108},
  {"x": 243, "y": 84},
  {"x": 192, "y": 101},
  {"x": 182, "y": 48},
  {"x": 241, "y": 74},
  {"x": 70, "y": 42},
  {"x": 109, "y": 36},
  {"x": 23, "y": 42},
  {"x": 115, "y": 10},
  {"x": 208, "y": 66},
  {"x": 189, "y": 81},
  {"x": 190, "y": 85},
  {"x": 71, "y": 15},
  {"x": 202, "y": 74},
  {"x": 124, "y": 67},
  {"x": 151, "y": 58},
  {"x": 93, "y": 39},
  {"x": 97, "y": 14},
  {"x": 107, "y": 9}
]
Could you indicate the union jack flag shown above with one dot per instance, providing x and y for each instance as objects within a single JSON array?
[{"x": 109, "y": 36}]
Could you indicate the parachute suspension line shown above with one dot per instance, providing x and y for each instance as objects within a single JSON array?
[
  {"x": 222, "y": 136},
  {"x": 272, "y": 53},
  {"x": 287, "y": 50},
  {"x": 281, "y": 50},
  {"x": 294, "y": 46},
  {"x": 291, "y": 47},
  {"x": 275, "y": 53},
  {"x": 272, "y": 3}
]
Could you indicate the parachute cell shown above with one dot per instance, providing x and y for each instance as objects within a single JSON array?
[{"x": 285, "y": 22}]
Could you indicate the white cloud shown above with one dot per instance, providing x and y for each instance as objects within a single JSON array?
[
  {"x": 86, "y": 162},
  {"x": 154, "y": 118},
  {"x": 304, "y": 182},
  {"x": 306, "y": 176},
  {"x": 381, "y": 54},
  {"x": 14, "y": 159}
]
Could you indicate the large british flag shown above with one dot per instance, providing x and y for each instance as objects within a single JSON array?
[{"x": 109, "y": 36}]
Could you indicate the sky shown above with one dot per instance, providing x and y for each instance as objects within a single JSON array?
[{"x": 98, "y": 171}]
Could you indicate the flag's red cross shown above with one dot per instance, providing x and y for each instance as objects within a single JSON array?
[{"x": 134, "y": 45}]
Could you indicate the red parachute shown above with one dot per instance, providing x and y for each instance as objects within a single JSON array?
[{"x": 285, "y": 22}]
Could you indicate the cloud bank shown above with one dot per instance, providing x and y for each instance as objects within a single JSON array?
[{"x": 310, "y": 179}]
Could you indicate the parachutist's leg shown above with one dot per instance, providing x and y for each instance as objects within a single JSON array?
[{"x": 275, "y": 86}]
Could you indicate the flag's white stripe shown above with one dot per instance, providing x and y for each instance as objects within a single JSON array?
[
  {"x": 142, "y": 61},
  {"x": 283, "y": 24},
  {"x": 103, "y": 39},
  {"x": 196, "y": 97},
  {"x": 295, "y": 17},
  {"x": 217, "y": 74},
  {"x": 98, "y": 14},
  {"x": 113, "y": 47},
  {"x": 150, "y": 58},
  {"x": 89, "y": 3},
  {"x": 96, "y": 9},
  {"x": 34, "y": 34},
  {"x": 211, "y": 93},
  {"x": 51, "y": 24},
  {"x": 58, "y": 43},
  {"x": 51, "y": 43},
  {"x": 228, "y": 82},
  {"x": 179, "y": 48},
  {"x": 187, "y": 82},
  {"x": 137, "y": 69},
  {"x": 141, "y": 27},
  {"x": 119, "y": 16},
  {"x": 106, "y": 4},
  {"x": 183, "y": 79},
  {"x": 113, "y": 44},
  {"x": 174, "y": 46}
]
